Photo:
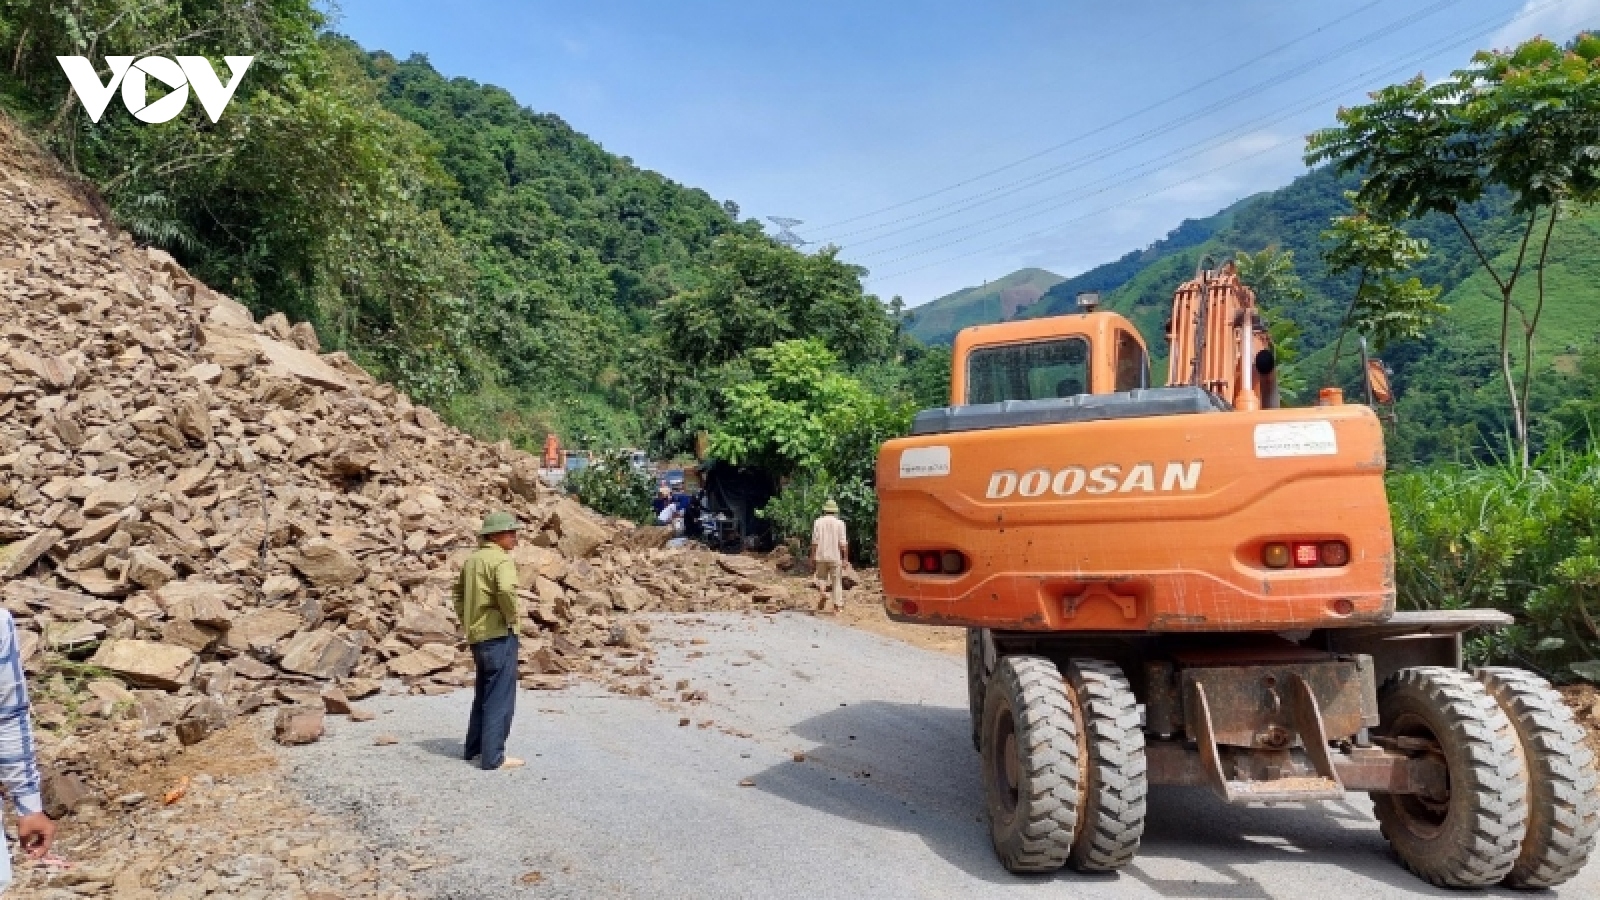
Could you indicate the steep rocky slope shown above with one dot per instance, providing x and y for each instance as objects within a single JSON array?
[{"x": 221, "y": 517}]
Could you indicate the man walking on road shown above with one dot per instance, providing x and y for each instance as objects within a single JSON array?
[
  {"x": 486, "y": 603},
  {"x": 19, "y": 771},
  {"x": 829, "y": 550}
]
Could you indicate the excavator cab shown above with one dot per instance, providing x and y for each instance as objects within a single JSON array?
[{"x": 1058, "y": 358}]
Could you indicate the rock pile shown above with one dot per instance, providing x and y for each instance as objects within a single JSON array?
[{"x": 226, "y": 518}]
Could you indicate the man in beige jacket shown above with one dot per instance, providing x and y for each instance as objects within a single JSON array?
[{"x": 829, "y": 550}]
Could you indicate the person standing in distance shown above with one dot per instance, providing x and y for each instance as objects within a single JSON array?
[
  {"x": 829, "y": 550},
  {"x": 486, "y": 603},
  {"x": 19, "y": 770}
]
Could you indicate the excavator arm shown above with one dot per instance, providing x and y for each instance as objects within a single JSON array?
[{"x": 1219, "y": 342}]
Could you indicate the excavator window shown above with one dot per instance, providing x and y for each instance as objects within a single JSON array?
[
  {"x": 1133, "y": 369},
  {"x": 1038, "y": 370}
]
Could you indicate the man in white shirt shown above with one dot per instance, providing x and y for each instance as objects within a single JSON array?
[
  {"x": 829, "y": 550},
  {"x": 19, "y": 771}
]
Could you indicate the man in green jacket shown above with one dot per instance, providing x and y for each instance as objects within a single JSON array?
[{"x": 486, "y": 603}]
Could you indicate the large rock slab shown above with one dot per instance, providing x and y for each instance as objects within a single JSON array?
[
  {"x": 229, "y": 348},
  {"x": 321, "y": 654},
  {"x": 260, "y": 629},
  {"x": 425, "y": 660},
  {"x": 147, "y": 663},
  {"x": 147, "y": 570},
  {"x": 580, "y": 534},
  {"x": 419, "y": 625},
  {"x": 289, "y": 361},
  {"x": 326, "y": 564},
  {"x": 206, "y": 602},
  {"x": 16, "y": 558},
  {"x": 112, "y": 497}
]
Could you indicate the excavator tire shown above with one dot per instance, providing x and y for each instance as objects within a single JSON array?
[
  {"x": 975, "y": 683},
  {"x": 1563, "y": 794},
  {"x": 1471, "y": 837},
  {"x": 1111, "y": 743},
  {"x": 1030, "y": 764}
]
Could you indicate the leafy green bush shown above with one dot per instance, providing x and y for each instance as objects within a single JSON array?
[
  {"x": 801, "y": 417},
  {"x": 613, "y": 487},
  {"x": 1523, "y": 541},
  {"x": 798, "y": 505}
]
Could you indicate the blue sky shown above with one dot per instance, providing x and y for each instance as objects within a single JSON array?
[{"x": 942, "y": 144}]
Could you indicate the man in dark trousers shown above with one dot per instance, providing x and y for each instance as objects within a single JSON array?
[{"x": 486, "y": 603}]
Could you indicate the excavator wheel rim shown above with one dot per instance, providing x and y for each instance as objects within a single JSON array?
[{"x": 1422, "y": 816}]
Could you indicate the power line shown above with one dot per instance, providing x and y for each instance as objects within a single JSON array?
[
  {"x": 1475, "y": 33},
  {"x": 1144, "y": 169},
  {"x": 1136, "y": 113},
  {"x": 1015, "y": 187}
]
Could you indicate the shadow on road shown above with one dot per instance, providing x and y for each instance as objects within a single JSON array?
[
  {"x": 449, "y": 748},
  {"x": 911, "y": 768}
]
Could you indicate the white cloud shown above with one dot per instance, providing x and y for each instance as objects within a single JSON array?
[{"x": 1555, "y": 20}]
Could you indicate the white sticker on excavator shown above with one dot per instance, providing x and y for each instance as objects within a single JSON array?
[
  {"x": 1277, "y": 439},
  {"x": 924, "y": 462}
]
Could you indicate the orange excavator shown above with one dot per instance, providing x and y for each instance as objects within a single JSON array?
[{"x": 1192, "y": 585}]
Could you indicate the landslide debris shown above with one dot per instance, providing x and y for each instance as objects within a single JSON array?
[{"x": 204, "y": 516}]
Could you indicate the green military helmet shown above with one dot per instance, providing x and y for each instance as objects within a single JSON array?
[
  {"x": 831, "y": 508},
  {"x": 496, "y": 522}
]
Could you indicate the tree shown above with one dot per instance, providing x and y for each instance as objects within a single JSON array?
[
  {"x": 1384, "y": 306},
  {"x": 802, "y": 418},
  {"x": 1527, "y": 121},
  {"x": 757, "y": 293}
]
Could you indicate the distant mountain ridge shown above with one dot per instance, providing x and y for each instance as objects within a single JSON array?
[{"x": 937, "y": 321}]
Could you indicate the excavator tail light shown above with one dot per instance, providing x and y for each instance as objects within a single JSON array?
[
  {"x": 933, "y": 562},
  {"x": 1307, "y": 556},
  {"x": 1275, "y": 556},
  {"x": 1334, "y": 553}
]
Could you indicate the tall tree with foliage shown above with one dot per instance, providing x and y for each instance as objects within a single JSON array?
[
  {"x": 1386, "y": 306},
  {"x": 753, "y": 294},
  {"x": 1527, "y": 121}
]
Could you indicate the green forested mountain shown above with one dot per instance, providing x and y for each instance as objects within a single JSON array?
[
  {"x": 937, "y": 321},
  {"x": 487, "y": 257}
]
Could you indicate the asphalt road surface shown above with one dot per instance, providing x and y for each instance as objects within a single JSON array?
[{"x": 619, "y": 800}]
